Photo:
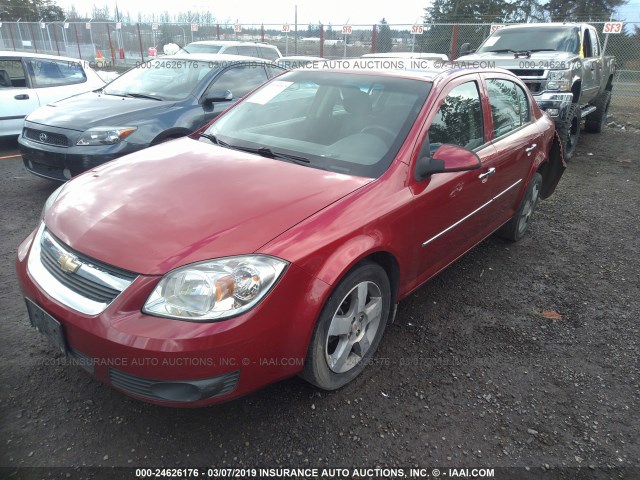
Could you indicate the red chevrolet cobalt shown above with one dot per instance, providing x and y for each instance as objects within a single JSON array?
[{"x": 278, "y": 240}]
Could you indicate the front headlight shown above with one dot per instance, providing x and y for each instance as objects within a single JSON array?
[
  {"x": 105, "y": 135},
  {"x": 215, "y": 289},
  {"x": 559, "y": 80}
]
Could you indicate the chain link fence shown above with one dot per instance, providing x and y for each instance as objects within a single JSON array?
[{"x": 118, "y": 44}]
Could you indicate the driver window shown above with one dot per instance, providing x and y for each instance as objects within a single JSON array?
[
  {"x": 458, "y": 120},
  {"x": 588, "y": 49},
  {"x": 240, "y": 80}
]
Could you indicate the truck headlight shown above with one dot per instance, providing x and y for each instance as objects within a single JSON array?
[
  {"x": 214, "y": 289},
  {"x": 104, "y": 135},
  {"x": 559, "y": 80}
]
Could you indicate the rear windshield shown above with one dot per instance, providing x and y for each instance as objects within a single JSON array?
[{"x": 551, "y": 38}]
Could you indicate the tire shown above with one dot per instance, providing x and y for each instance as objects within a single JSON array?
[
  {"x": 569, "y": 131},
  {"x": 596, "y": 121},
  {"x": 350, "y": 327},
  {"x": 515, "y": 228}
]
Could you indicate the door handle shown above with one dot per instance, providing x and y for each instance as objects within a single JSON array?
[
  {"x": 22, "y": 96},
  {"x": 487, "y": 174},
  {"x": 530, "y": 149}
]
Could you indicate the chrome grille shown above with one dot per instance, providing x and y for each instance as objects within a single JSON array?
[
  {"x": 48, "y": 138},
  {"x": 78, "y": 281}
]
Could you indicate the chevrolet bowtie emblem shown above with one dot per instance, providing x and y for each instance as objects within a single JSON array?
[{"x": 68, "y": 263}]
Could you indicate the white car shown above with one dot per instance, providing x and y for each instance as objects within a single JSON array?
[
  {"x": 233, "y": 47},
  {"x": 30, "y": 80}
]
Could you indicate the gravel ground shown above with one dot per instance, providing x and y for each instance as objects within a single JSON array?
[{"x": 519, "y": 355}]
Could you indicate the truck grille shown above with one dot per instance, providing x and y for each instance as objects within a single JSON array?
[{"x": 47, "y": 138}]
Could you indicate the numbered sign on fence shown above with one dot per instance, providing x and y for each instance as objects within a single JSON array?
[
  {"x": 66, "y": 24},
  {"x": 42, "y": 25},
  {"x": 347, "y": 29},
  {"x": 118, "y": 26},
  {"x": 417, "y": 29},
  {"x": 194, "y": 27},
  {"x": 237, "y": 28},
  {"x": 87, "y": 25},
  {"x": 496, "y": 26},
  {"x": 154, "y": 26},
  {"x": 612, "y": 27},
  {"x": 286, "y": 28}
]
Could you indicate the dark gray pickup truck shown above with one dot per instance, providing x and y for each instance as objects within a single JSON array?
[{"x": 564, "y": 67}]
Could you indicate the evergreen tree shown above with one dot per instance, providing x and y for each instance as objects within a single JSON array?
[{"x": 384, "y": 39}]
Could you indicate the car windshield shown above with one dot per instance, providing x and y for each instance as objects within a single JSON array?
[
  {"x": 552, "y": 38},
  {"x": 342, "y": 122},
  {"x": 202, "y": 48},
  {"x": 161, "y": 79}
]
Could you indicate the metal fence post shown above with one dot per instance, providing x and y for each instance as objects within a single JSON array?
[
  {"x": 13, "y": 42},
  {"x": 374, "y": 38},
  {"x": 140, "y": 43},
  {"x": 55, "y": 38},
  {"x": 35, "y": 45},
  {"x": 321, "y": 40},
  {"x": 75, "y": 29},
  {"x": 454, "y": 42},
  {"x": 113, "y": 52}
]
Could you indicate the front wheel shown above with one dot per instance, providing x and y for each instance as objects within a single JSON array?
[
  {"x": 350, "y": 327},
  {"x": 515, "y": 228},
  {"x": 596, "y": 121},
  {"x": 569, "y": 131}
]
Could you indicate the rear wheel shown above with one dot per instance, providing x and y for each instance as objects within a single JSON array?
[
  {"x": 350, "y": 327},
  {"x": 569, "y": 131},
  {"x": 515, "y": 228},
  {"x": 596, "y": 121}
]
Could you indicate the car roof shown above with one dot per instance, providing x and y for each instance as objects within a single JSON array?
[
  {"x": 215, "y": 57},
  {"x": 11, "y": 53},
  {"x": 228, "y": 42},
  {"x": 536, "y": 25}
]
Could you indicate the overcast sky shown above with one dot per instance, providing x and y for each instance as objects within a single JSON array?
[
  {"x": 273, "y": 11},
  {"x": 336, "y": 12}
]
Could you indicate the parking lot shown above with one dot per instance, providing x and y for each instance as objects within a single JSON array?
[{"x": 518, "y": 355}]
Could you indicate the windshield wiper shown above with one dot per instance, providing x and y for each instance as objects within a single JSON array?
[
  {"x": 268, "y": 153},
  {"x": 214, "y": 139},
  {"x": 516, "y": 53},
  {"x": 143, "y": 95}
]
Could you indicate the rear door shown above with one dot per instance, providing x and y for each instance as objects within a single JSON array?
[
  {"x": 17, "y": 98},
  {"x": 516, "y": 139}
]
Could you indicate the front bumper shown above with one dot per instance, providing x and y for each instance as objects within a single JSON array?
[
  {"x": 555, "y": 104},
  {"x": 181, "y": 363},
  {"x": 64, "y": 162}
]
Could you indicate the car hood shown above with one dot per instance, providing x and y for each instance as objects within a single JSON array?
[
  {"x": 187, "y": 201},
  {"x": 506, "y": 60},
  {"x": 92, "y": 109}
]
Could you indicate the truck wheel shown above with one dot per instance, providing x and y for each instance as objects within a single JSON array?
[
  {"x": 596, "y": 121},
  {"x": 569, "y": 131}
]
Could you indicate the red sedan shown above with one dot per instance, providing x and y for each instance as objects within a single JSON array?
[{"x": 278, "y": 240}]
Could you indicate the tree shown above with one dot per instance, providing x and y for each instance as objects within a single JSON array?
[
  {"x": 581, "y": 10},
  {"x": 31, "y": 10},
  {"x": 384, "y": 40}
]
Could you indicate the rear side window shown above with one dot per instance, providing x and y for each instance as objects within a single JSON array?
[
  {"x": 12, "y": 74},
  {"x": 249, "y": 51},
  {"x": 240, "y": 80},
  {"x": 459, "y": 119},
  {"x": 509, "y": 106},
  {"x": 268, "y": 53},
  {"x": 50, "y": 73}
]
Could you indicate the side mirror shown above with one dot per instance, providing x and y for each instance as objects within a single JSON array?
[
  {"x": 465, "y": 49},
  {"x": 447, "y": 158},
  {"x": 218, "y": 96}
]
